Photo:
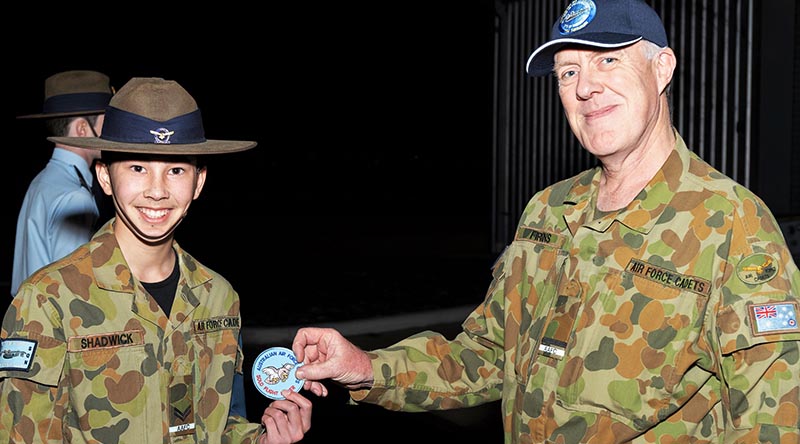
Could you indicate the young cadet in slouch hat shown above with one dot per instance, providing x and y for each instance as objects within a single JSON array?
[
  {"x": 129, "y": 338},
  {"x": 648, "y": 300},
  {"x": 60, "y": 210}
]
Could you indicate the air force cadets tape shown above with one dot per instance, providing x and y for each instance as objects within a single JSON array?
[{"x": 273, "y": 372}]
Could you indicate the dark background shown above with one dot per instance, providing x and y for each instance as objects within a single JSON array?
[
  {"x": 369, "y": 191},
  {"x": 372, "y": 123}
]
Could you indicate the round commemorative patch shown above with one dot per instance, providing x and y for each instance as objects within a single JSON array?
[
  {"x": 578, "y": 14},
  {"x": 757, "y": 268},
  {"x": 273, "y": 372}
]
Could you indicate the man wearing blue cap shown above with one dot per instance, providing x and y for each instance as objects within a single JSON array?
[
  {"x": 648, "y": 300},
  {"x": 60, "y": 210}
]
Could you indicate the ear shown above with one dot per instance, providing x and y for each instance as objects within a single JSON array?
[
  {"x": 103, "y": 177},
  {"x": 201, "y": 180},
  {"x": 82, "y": 128},
  {"x": 665, "y": 63}
]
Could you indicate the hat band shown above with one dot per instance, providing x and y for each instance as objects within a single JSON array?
[
  {"x": 123, "y": 126},
  {"x": 68, "y": 103}
]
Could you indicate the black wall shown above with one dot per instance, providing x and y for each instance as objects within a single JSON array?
[{"x": 372, "y": 125}]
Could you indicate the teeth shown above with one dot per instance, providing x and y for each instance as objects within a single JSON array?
[{"x": 154, "y": 214}]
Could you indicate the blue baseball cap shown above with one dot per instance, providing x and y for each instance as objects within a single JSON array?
[{"x": 600, "y": 24}]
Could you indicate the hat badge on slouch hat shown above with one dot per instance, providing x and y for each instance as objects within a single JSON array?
[
  {"x": 598, "y": 24},
  {"x": 74, "y": 93},
  {"x": 151, "y": 115}
]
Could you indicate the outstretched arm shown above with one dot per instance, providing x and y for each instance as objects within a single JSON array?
[{"x": 326, "y": 354}]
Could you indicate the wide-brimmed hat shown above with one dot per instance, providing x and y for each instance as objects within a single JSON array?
[
  {"x": 599, "y": 24},
  {"x": 154, "y": 116},
  {"x": 74, "y": 93}
]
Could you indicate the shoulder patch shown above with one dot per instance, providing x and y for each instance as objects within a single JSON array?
[
  {"x": 757, "y": 268},
  {"x": 773, "y": 317},
  {"x": 17, "y": 354}
]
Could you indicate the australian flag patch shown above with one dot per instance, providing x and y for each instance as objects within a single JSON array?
[{"x": 773, "y": 317}]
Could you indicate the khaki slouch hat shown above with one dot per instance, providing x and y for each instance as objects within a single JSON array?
[
  {"x": 74, "y": 93},
  {"x": 154, "y": 116}
]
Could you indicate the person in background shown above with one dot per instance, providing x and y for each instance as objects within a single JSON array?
[
  {"x": 129, "y": 338},
  {"x": 59, "y": 211},
  {"x": 648, "y": 300}
]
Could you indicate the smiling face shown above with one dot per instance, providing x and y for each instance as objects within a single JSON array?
[
  {"x": 151, "y": 194},
  {"x": 614, "y": 100}
]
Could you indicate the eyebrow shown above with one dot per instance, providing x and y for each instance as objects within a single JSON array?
[{"x": 596, "y": 52}]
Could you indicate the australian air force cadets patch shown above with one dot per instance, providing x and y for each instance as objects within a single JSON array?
[
  {"x": 17, "y": 354},
  {"x": 273, "y": 372}
]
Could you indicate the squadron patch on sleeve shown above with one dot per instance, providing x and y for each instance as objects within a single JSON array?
[
  {"x": 17, "y": 354},
  {"x": 773, "y": 317},
  {"x": 757, "y": 269}
]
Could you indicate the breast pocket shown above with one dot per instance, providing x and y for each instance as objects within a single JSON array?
[
  {"x": 638, "y": 336},
  {"x": 534, "y": 272},
  {"x": 215, "y": 362},
  {"x": 106, "y": 383}
]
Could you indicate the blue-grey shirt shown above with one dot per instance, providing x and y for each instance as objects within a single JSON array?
[{"x": 57, "y": 215}]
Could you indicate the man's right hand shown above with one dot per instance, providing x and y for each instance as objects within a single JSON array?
[{"x": 326, "y": 354}]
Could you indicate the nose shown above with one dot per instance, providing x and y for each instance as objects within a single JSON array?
[
  {"x": 157, "y": 189},
  {"x": 588, "y": 84}
]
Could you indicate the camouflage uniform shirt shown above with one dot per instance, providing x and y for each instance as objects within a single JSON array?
[
  {"x": 673, "y": 320},
  {"x": 88, "y": 357}
]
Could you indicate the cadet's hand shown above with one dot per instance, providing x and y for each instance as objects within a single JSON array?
[
  {"x": 286, "y": 420},
  {"x": 326, "y": 354}
]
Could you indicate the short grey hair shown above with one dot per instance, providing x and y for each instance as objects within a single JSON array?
[{"x": 650, "y": 49}]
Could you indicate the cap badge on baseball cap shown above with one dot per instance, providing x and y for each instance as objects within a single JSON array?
[
  {"x": 577, "y": 15},
  {"x": 599, "y": 24}
]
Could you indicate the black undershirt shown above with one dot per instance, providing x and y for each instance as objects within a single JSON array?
[{"x": 164, "y": 292}]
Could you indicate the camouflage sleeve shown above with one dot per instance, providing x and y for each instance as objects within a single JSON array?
[
  {"x": 33, "y": 354},
  {"x": 237, "y": 429},
  {"x": 429, "y": 372},
  {"x": 757, "y": 332}
]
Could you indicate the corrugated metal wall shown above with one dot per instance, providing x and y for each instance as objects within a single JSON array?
[{"x": 711, "y": 98}]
